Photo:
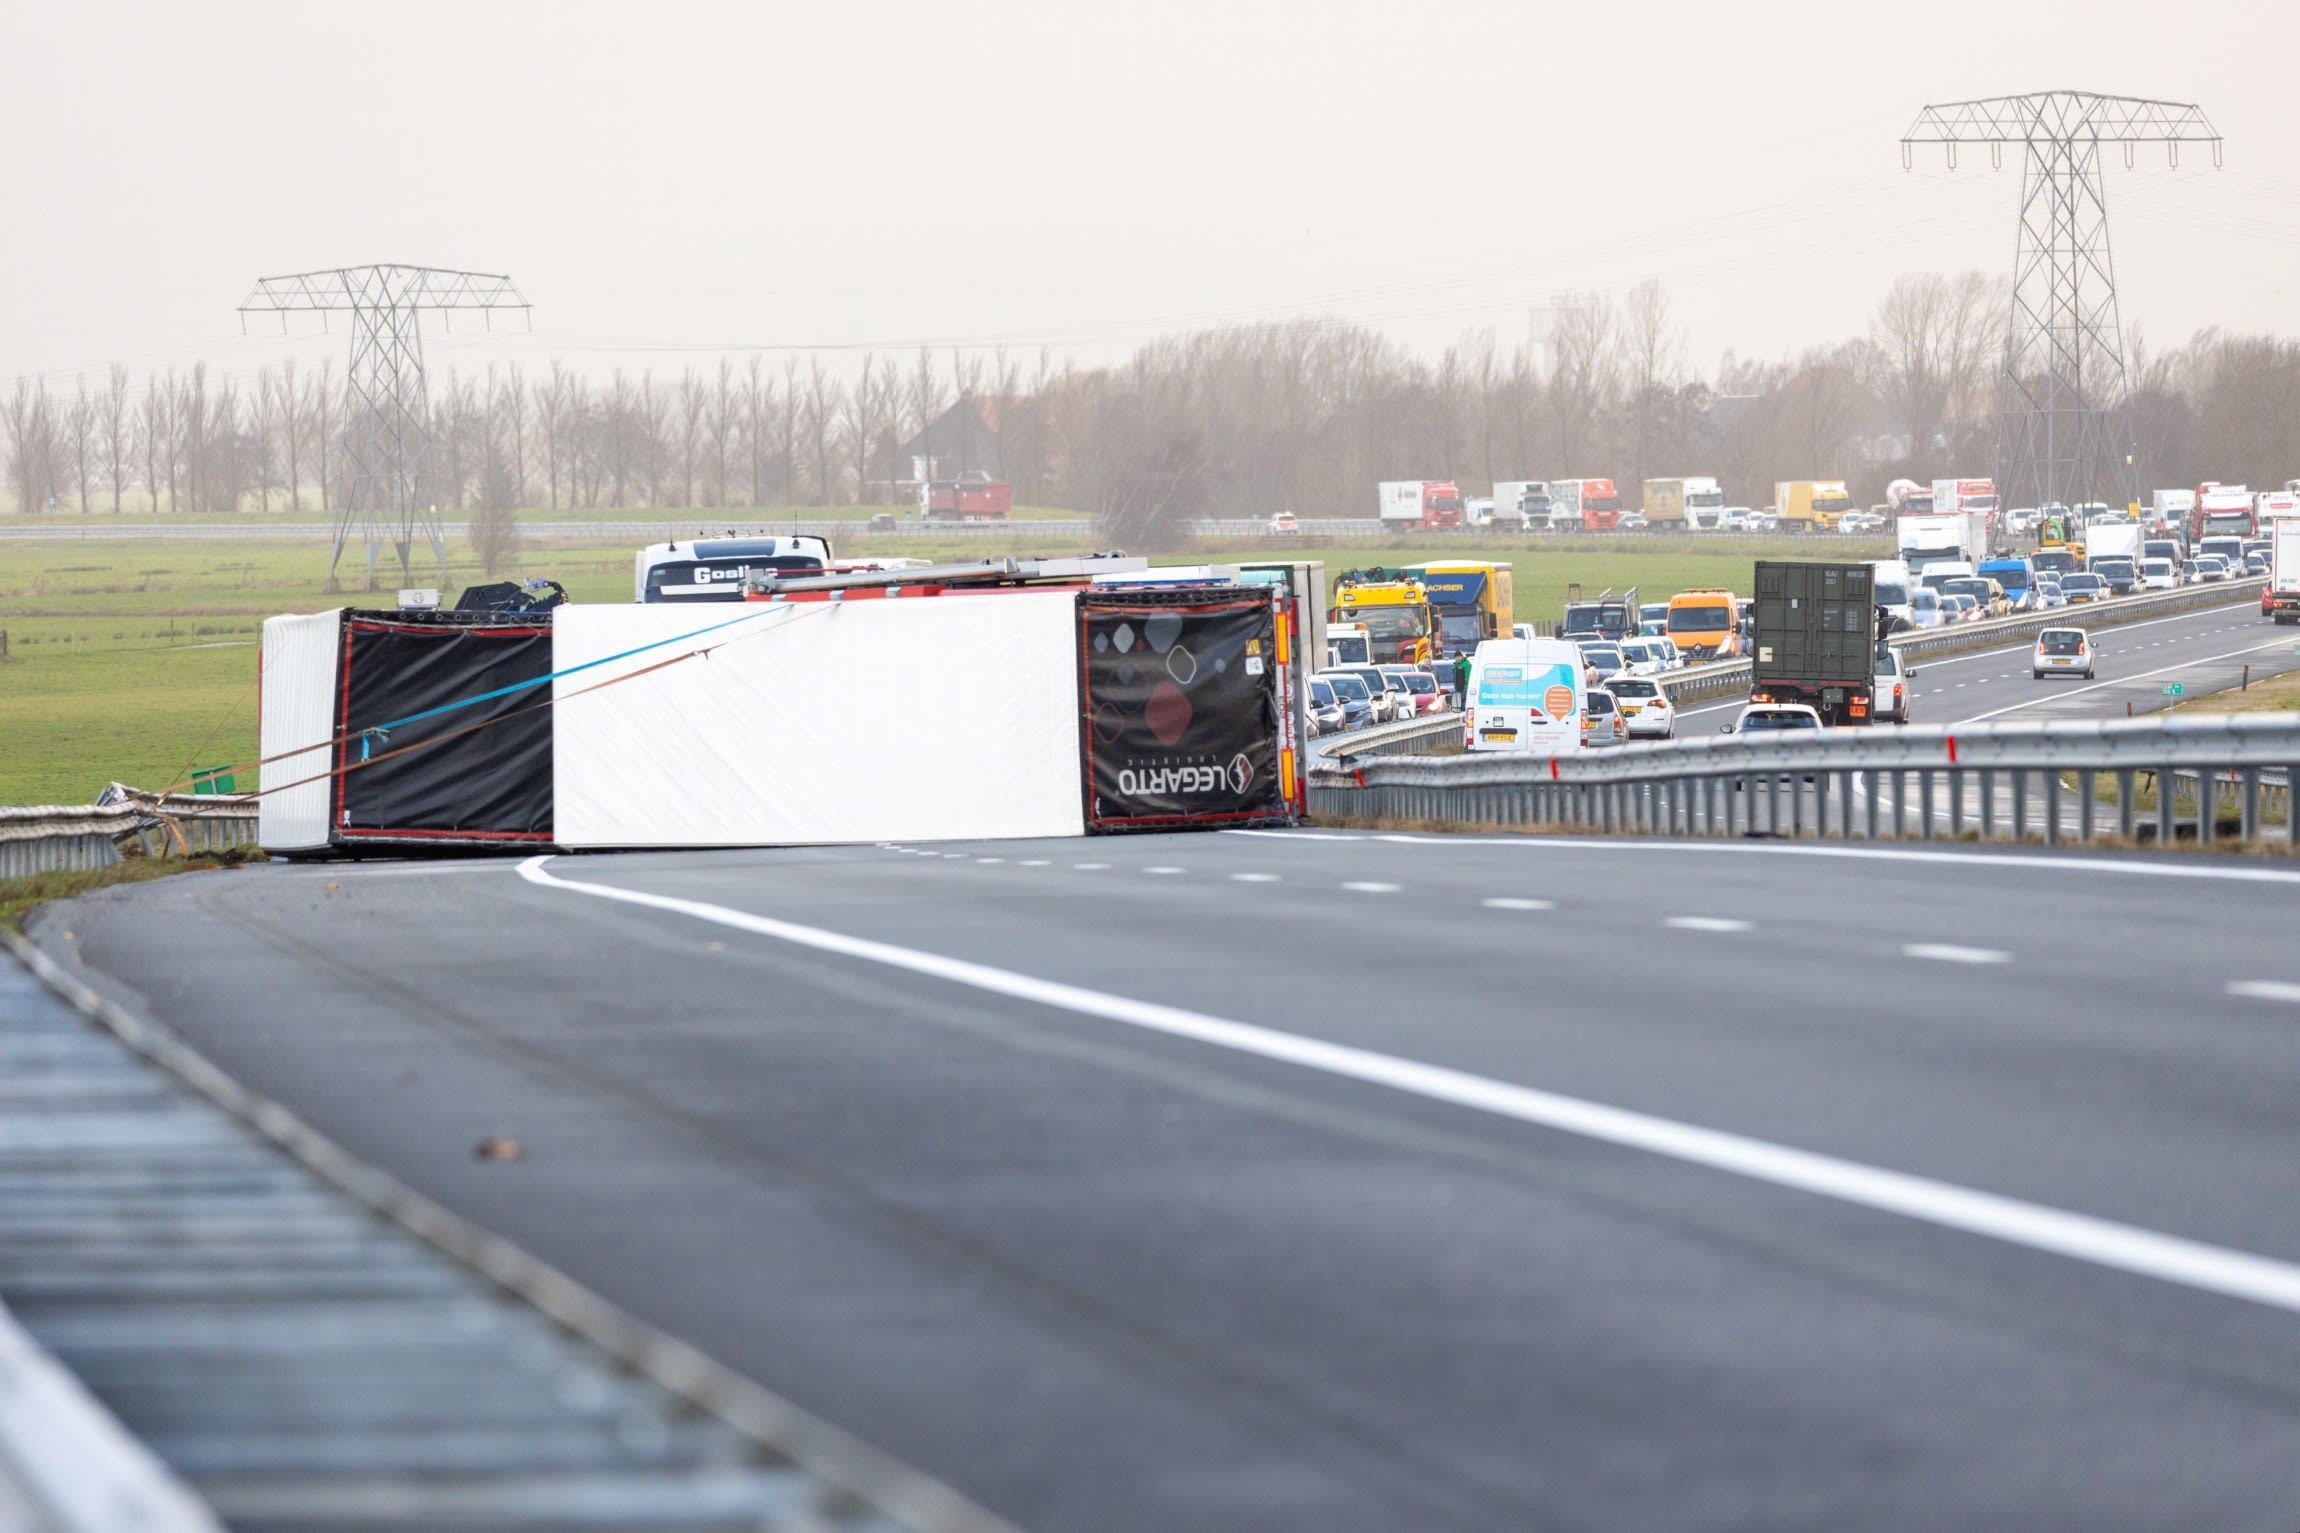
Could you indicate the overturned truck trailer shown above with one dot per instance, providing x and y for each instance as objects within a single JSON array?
[{"x": 996, "y": 713}]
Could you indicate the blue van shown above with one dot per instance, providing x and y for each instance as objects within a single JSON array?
[{"x": 2017, "y": 576}]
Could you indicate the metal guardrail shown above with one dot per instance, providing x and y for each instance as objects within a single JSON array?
[
  {"x": 310, "y": 1344},
  {"x": 1728, "y": 676},
  {"x": 1998, "y": 780},
  {"x": 56, "y": 838},
  {"x": 1410, "y": 737}
]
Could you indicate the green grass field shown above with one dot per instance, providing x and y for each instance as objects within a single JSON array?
[{"x": 136, "y": 662}]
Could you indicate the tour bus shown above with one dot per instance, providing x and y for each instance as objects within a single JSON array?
[
  {"x": 1525, "y": 695},
  {"x": 717, "y": 569}
]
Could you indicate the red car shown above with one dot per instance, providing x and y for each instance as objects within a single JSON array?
[{"x": 1429, "y": 697}]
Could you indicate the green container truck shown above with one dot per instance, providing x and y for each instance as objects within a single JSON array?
[{"x": 1815, "y": 638}]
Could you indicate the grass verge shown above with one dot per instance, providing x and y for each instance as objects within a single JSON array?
[{"x": 18, "y": 896}]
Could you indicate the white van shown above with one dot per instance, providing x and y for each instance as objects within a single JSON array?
[
  {"x": 1524, "y": 695},
  {"x": 1892, "y": 581}
]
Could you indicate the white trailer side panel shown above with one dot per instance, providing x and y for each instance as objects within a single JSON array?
[{"x": 936, "y": 718}]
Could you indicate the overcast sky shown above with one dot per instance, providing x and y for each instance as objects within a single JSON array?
[{"x": 668, "y": 180}]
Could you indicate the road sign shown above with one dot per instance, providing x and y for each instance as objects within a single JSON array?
[{"x": 2174, "y": 689}]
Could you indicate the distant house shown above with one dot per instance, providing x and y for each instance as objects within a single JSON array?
[{"x": 960, "y": 442}]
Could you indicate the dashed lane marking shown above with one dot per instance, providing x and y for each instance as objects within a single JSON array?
[
  {"x": 1162, "y": 870},
  {"x": 2105, "y": 1243},
  {"x": 1362, "y": 887},
  {"x": 1708, "y": 924},
  {"x": 1945, "y": 952},
  {"x": 1254, "y": 878},
  {"x": 2265, "y": 990},
  {"x": 1507, "y": 902}
]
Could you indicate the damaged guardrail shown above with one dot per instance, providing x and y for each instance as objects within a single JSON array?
[{"x": 55, "y": 838}]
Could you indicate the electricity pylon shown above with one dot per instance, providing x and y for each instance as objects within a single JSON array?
[
  {"x": 2062, "y": 438},
  {"x": 387, "y": 418}
]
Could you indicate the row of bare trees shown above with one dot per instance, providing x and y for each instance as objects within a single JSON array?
[{"x": 1237, "y": 421}]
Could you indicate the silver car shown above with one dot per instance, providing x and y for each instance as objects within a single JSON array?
[{"x": 1601, "y": 720}]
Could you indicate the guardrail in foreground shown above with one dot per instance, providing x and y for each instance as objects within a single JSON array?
[
  {"x": 2004, "y": 780},
  {"x": 57, "y": 838}
]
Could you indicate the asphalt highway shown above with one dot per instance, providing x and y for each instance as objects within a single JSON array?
[
  {"x": 2203, "y": 652},
  {"x": 1320, "y": 1180}
]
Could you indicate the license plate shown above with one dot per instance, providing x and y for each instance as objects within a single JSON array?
[
  {"x": 1629, "y": 708},
  {"x": 1497, "y": 734}
]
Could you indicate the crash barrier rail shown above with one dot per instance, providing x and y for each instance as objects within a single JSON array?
[
  {"x": 56, "y": 838},
  {"x": 312, "y": 1344},
  {"x": 66, "y": 1463},
  {"x": 1729, "y": 676},
  {"x": 1411, "y": 737},
  {"x": 2000, "y": 780}
]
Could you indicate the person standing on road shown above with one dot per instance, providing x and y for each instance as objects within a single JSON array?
[{"x": 1460, "y": 682}]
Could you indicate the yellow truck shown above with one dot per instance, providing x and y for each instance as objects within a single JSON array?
[
  {"x": 1811, "y": 505},
  {"x": 1394, "y": 607}
]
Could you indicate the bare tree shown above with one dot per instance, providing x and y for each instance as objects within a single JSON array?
[
  {"x": 790, "y": 401},
  {"x": 758, "y": 410},
  {"x": 80, "y": 441},
  {"x": 1652, "y": 345},
  {"x": 118, "y": 428},
  {"x": 1582, "y": 379},
  {"x": 691, "y": 425},
  {"x": 725, "y": 422},
  {"x": 822, "y": 412}
]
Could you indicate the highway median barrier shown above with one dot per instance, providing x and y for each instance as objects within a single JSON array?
[{"x": 1993, "y": 781}]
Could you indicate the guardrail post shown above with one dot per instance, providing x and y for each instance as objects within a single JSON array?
[
  {"x": 1925, "y": 788},
  {"x": 2292, "y": 808},
  {"x": 2167, "y": 789},
  {"x": 1873, "y": 786},
  {"x": 1956, "y": 785},
  {"x": 2087, "y": 793},
  {"x": 2251, "y": 779},
  {"x": 1901, "y": 804},
  {"x": 1988, "y": 804},
  {"x": 2207, "y": 805},
  {"x": 1820, "y": 807},
  {"x": 2126, "y": 804},
  {"x": 1772, "y": 804},
  {"x": 2051, "y": 786},
  {"x": 2019, "y": 804}
]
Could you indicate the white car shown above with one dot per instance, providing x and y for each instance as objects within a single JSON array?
[
  {"x": 1644, "y": 657},
  {"x": 1925, "y": 607},
  {"x": 2159, "y": 575},
  {"x": 2062, "y": 652},
  {"x": 1773, "y": 718},
  {"x": 1645, "y": 709},
  {"x": 1893, "y": 690}
]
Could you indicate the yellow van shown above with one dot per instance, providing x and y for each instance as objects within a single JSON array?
[{"x": 1703, "y": 624}]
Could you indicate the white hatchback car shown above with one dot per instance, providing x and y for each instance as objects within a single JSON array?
[
  {"x": 1774, "y": 718},
  {"x": 1645, "y": 710},
  {"x": 2063, "y": 652}
]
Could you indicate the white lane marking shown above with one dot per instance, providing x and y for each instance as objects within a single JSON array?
[
  {"x": 1254, "y": 878},
  {"x": 2102, "y": 1242},
  {"x": 1371, "y": 888},
  {"x": 990, "y": 859},
  {"x": 1708, "y": 924},
  {"x": 1300, "y": 835},
  {"x": 1090, "y": 867},
  {"x": 1949, "y": 952},
  {"x": 1034, "y": 862},
  {"x": 2169, "y": 868},
  {"x": 2265, "y": 990},
  {"x": 2162, "y": 670},
  {"x": 1162, "y": 870},
  {"x": 1508, "y": 902}
]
